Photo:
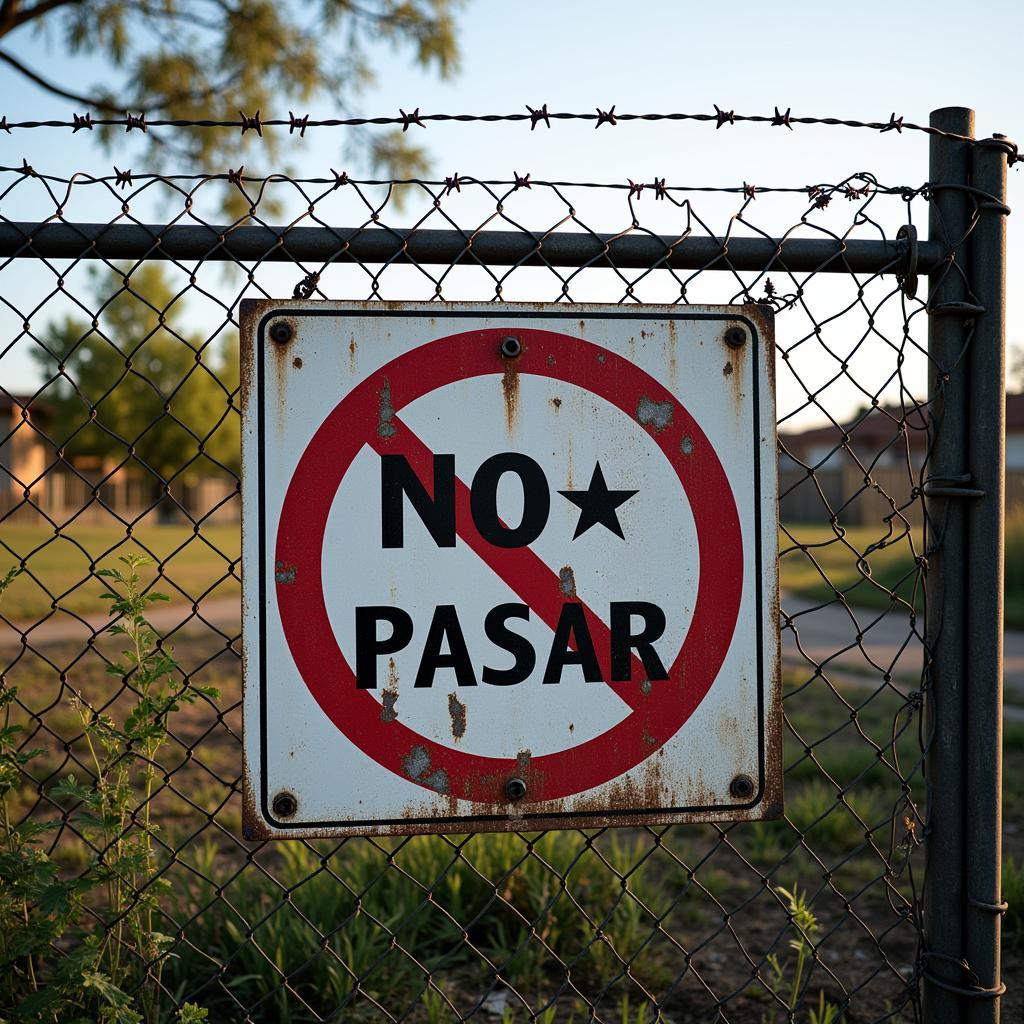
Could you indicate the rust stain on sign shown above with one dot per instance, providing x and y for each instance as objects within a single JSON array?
[
  {"x": 385, "y": 424},
  {"x": 735, "y": 368},
  {"x": 457, "y": 711},
  {"x": 510, "y": 389},
  {"x": 656, "y": 415}
]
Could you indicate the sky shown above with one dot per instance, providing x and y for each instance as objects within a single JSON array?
[{"x": 863, "y": 60}]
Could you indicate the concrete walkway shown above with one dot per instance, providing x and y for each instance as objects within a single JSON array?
[
  {"x": 216, "y": 613},
  {"x": 828, "y": 636}
]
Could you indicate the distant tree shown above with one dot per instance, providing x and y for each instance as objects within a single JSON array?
[
  {"x": 133, "y": 388},
  {"x": 210, "y": 59}
]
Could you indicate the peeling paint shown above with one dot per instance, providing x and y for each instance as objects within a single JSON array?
[
  {"x": 567, "y": 581},
  {"x": 457, "y": 711},
  {"x": 352, "y": 349},
  {"x": 645, "y": 686},
  {"x": 686, "y": 445},
  {"x": 556, "y": 403},
  {"x": 284, "y": 573},
  {"x": 727, "y": 369},
  {"x": 417, "y": 762},
  {"x": 416, "y": 765},
  {"x": 438, "y": 781},
  {"x": 388, "y": 699},
  {"x": 385, "y": 425},
  {"x": 297, "y": 362},
  {"x": 657, "y": 415}
]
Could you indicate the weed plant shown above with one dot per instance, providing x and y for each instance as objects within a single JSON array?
[{"x": 54, "y": 966}]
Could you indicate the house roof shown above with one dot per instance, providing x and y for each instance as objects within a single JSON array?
[
  {"x": 12, "y": 403},
  {"x": 878, "y": 426}
]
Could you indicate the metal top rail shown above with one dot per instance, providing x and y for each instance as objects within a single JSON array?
[{"x": 60, "y": 240}]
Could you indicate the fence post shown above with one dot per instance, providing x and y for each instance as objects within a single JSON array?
[
  {"x": 986, "y": 450},
  {"x": 948, "y": 295}
]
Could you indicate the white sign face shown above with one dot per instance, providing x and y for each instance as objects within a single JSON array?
[{"x": 508, "y": 567}]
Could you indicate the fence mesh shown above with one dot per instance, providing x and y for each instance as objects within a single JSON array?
[{"x": 128, "y": 442}]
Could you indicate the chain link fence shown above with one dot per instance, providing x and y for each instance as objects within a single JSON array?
[{"x": 123, "y": 291}]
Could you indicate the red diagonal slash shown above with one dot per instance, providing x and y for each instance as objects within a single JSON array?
[{"x": 521, "y": 568}]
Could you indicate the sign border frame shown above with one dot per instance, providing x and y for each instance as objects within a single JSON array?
[{"x": 261, "y": 823}]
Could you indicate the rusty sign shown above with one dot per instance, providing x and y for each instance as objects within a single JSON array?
[{"x": 508, "y": 567}]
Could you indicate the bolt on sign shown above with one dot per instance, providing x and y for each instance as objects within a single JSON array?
[{"x": 508, "y": 567}]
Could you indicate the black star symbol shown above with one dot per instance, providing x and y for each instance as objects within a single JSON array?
[{"x": 597, "y": 504}]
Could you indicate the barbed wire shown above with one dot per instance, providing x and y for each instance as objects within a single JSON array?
[{"x": 536, "y": 116}]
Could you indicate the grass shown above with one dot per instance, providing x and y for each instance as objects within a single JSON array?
[
  {"x": 64, "y": 565},
  {"x": 507, "y": 911},
  {"x": 330, "y": 914},
  {"x": 816, "y": 561},
  {"x": 1014, "y": 569},
  {"x": 1013, "y": 893},
  {"x": 551, "y": 917}
]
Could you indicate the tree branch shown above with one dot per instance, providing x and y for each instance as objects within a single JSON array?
[
  {"x": 89, "y": 101},
  {"x": 15, "y": 20}
]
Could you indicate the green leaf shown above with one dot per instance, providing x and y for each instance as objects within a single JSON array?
[
  {"x": 71, "y": 789},
  {"x": 105, "y": 988}
]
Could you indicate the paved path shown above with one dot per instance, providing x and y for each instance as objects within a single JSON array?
[
  {"x": 829, "y": 636},
  {"x": 219, "y": 613}
]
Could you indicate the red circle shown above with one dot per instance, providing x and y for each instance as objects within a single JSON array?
[{"x": 653, "y": 720}]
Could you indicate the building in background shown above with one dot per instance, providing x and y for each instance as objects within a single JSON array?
[
  {"x": 38, "y": 485},
  {"x": 867, "y": 469}
]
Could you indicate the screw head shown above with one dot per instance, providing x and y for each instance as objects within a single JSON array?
[
  {"x": 285, "y": 804},
  {"x": 515, "y": 789},
  {"x": 742, "y": 787},
  {"x": 281, "y": 332},
  {"x": 511, "y": 348},
  {"x": 735, "y": 337}
]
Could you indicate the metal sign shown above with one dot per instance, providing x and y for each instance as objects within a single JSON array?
[{"x": 508, "y": 567}]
